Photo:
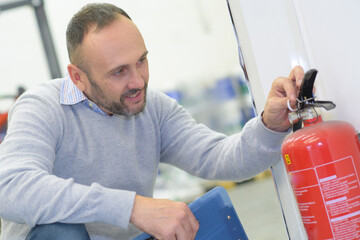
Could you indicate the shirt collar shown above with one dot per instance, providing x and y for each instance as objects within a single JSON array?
[{"x": 70, "y": 94}]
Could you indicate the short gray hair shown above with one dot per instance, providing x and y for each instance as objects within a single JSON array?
[{"x": 100, "y": 14}]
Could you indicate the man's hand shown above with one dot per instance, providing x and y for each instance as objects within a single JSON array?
[
  {"x": 164, "y": 219},
  {"x": 275, "y": 116}
]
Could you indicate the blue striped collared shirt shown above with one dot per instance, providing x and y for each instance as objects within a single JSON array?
[{"x": 71, "y": 95}]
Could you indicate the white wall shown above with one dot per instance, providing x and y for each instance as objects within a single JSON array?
[
  {"x": 187, "y": 41},
  {"x": 331, "y": 34}
]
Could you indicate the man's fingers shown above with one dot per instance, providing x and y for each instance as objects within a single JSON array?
[
  {"x": 290, "y": 91},
  {"x": 185, "y": 225},
  {"x": 281, "y": 99},
  {"x": 281, "y": 106},
  {"x": 186, "y": 230},
  {"x": 182, "y": 234},
  {"x": 284, "y": 88},
  {"x": 297, "y": 75},
  {"x": 190, "y": 224},
  {"x": 164, "y": 219},
  {"x": 193, "y": 223}
]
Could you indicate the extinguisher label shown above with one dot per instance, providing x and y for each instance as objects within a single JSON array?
[{"x": 329, "y": 194}]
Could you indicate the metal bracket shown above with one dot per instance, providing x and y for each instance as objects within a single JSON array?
[{"x": 43, "y": 25}]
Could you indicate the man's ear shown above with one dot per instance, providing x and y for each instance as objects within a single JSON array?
[{"x": 77, "y": 76}]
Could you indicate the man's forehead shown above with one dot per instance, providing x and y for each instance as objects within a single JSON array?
[{"x": 120, "y": 43}]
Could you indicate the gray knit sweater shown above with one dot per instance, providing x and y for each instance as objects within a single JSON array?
[{"x": 67, "y": 163}]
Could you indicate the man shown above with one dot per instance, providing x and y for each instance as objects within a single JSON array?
[{"x": 81, "y": 154}]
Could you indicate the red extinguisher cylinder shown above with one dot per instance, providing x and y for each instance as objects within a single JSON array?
[{"x": 323, "y": 163}]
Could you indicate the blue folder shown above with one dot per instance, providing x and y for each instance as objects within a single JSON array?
[{"x": 217, "y": 217}]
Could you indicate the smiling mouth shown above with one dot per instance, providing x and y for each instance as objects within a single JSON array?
[{"x": 134, "y": 97}]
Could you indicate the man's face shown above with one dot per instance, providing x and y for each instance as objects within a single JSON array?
[{"x": 116, "y": 68}]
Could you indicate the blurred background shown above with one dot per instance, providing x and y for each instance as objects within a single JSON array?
[{"x": 193, "y": 57}]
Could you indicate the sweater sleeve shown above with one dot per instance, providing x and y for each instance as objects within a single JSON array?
[
  {"x": 29, "y": 192},
  {"x": 211, "y": 155}
]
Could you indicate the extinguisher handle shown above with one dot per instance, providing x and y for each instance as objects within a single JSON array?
[
  {"x": 307, "y": 99},
  {"x": 328, "y": 105},
  {"x": 306, "y": 88}
]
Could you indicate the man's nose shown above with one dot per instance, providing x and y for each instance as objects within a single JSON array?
[{"x": 136, "y": 81}]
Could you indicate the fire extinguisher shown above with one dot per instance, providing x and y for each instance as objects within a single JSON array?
[{"x": 323, "y": 164}]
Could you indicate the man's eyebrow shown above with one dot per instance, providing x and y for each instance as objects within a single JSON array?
[
  {"x": 122, "y": 66},
  {"x": 144, "y": 55}
]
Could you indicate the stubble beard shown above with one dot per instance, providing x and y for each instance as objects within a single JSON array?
[{"x": 117, "y": 108}]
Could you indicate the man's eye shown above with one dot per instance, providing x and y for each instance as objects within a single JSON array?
[
  {"x": 119, "y": 72},
  {"x": 142, "y": 60}
]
